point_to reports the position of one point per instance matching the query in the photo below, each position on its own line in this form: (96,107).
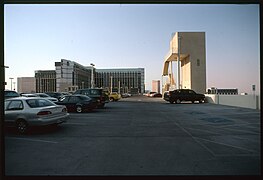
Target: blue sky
(112,36)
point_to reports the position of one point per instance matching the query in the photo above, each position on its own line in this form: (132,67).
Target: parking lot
(141,136)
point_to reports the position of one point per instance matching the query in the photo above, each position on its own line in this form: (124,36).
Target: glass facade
(71,75)
(129,80)
(45,81)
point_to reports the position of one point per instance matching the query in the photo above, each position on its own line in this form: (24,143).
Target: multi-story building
(26,84)
(156,86)
(128,80)
(45,80)
(189,50)
(72,76)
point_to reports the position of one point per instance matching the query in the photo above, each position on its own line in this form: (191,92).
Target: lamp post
(14,85)
(92,75)
(110,84)
(4,75)
(11,81)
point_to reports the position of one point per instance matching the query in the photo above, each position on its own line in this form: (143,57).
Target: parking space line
(212,132)
(83,124)
(226,144)
(34,140)
(250,132)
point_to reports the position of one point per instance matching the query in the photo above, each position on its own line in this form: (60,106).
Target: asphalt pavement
(141,136)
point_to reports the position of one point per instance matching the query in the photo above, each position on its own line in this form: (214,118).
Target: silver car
(44,95)
(23,112)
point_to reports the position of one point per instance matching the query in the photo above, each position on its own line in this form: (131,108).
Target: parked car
(23,112)
(156,95)
(44,95)
(96,94)
(77,103)
(150,94)
(66,93)
(57,95)
(28,95)
(180,95)
(11,94)
(125,95)
(114,96)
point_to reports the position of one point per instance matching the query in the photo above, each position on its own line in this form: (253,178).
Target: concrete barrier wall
(246,101)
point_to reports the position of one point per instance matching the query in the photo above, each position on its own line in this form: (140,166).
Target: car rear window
(35,103)
(95,92)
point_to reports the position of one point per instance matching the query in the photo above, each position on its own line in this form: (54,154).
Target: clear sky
(133,36)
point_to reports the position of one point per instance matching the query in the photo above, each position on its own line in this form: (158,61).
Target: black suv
(179,95)
(96,94)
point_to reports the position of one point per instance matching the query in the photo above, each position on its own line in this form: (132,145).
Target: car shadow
(34,130)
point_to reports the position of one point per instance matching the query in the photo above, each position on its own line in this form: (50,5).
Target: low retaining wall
(245,101)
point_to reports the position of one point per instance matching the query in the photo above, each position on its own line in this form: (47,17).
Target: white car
(44,95)
(23,112)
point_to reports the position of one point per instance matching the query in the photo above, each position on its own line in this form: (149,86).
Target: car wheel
(178,101)
(111,99)
(171,101)
(200,101)
(21,126)
(193,101)
(79,109)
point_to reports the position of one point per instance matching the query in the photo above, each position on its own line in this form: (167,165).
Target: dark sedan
(157,95)
(77,103)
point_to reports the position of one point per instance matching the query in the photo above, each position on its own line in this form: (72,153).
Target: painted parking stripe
(34,140)
(223,144)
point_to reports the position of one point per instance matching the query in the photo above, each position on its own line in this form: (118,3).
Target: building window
(198,62)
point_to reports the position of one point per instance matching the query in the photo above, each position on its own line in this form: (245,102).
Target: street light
(14,85)
(92,76)
(4,74)
(11,81)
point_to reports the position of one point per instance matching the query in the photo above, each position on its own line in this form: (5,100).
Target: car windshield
(35,103)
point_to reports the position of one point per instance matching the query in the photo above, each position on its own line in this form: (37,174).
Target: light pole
(92,75)
(14,85)
(4,74)
(110,84)
(11,81)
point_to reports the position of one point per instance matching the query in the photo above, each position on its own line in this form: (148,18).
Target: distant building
(45,80)
(71,76)
(214,90)
(156,86)
(123,80)
(26,84)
